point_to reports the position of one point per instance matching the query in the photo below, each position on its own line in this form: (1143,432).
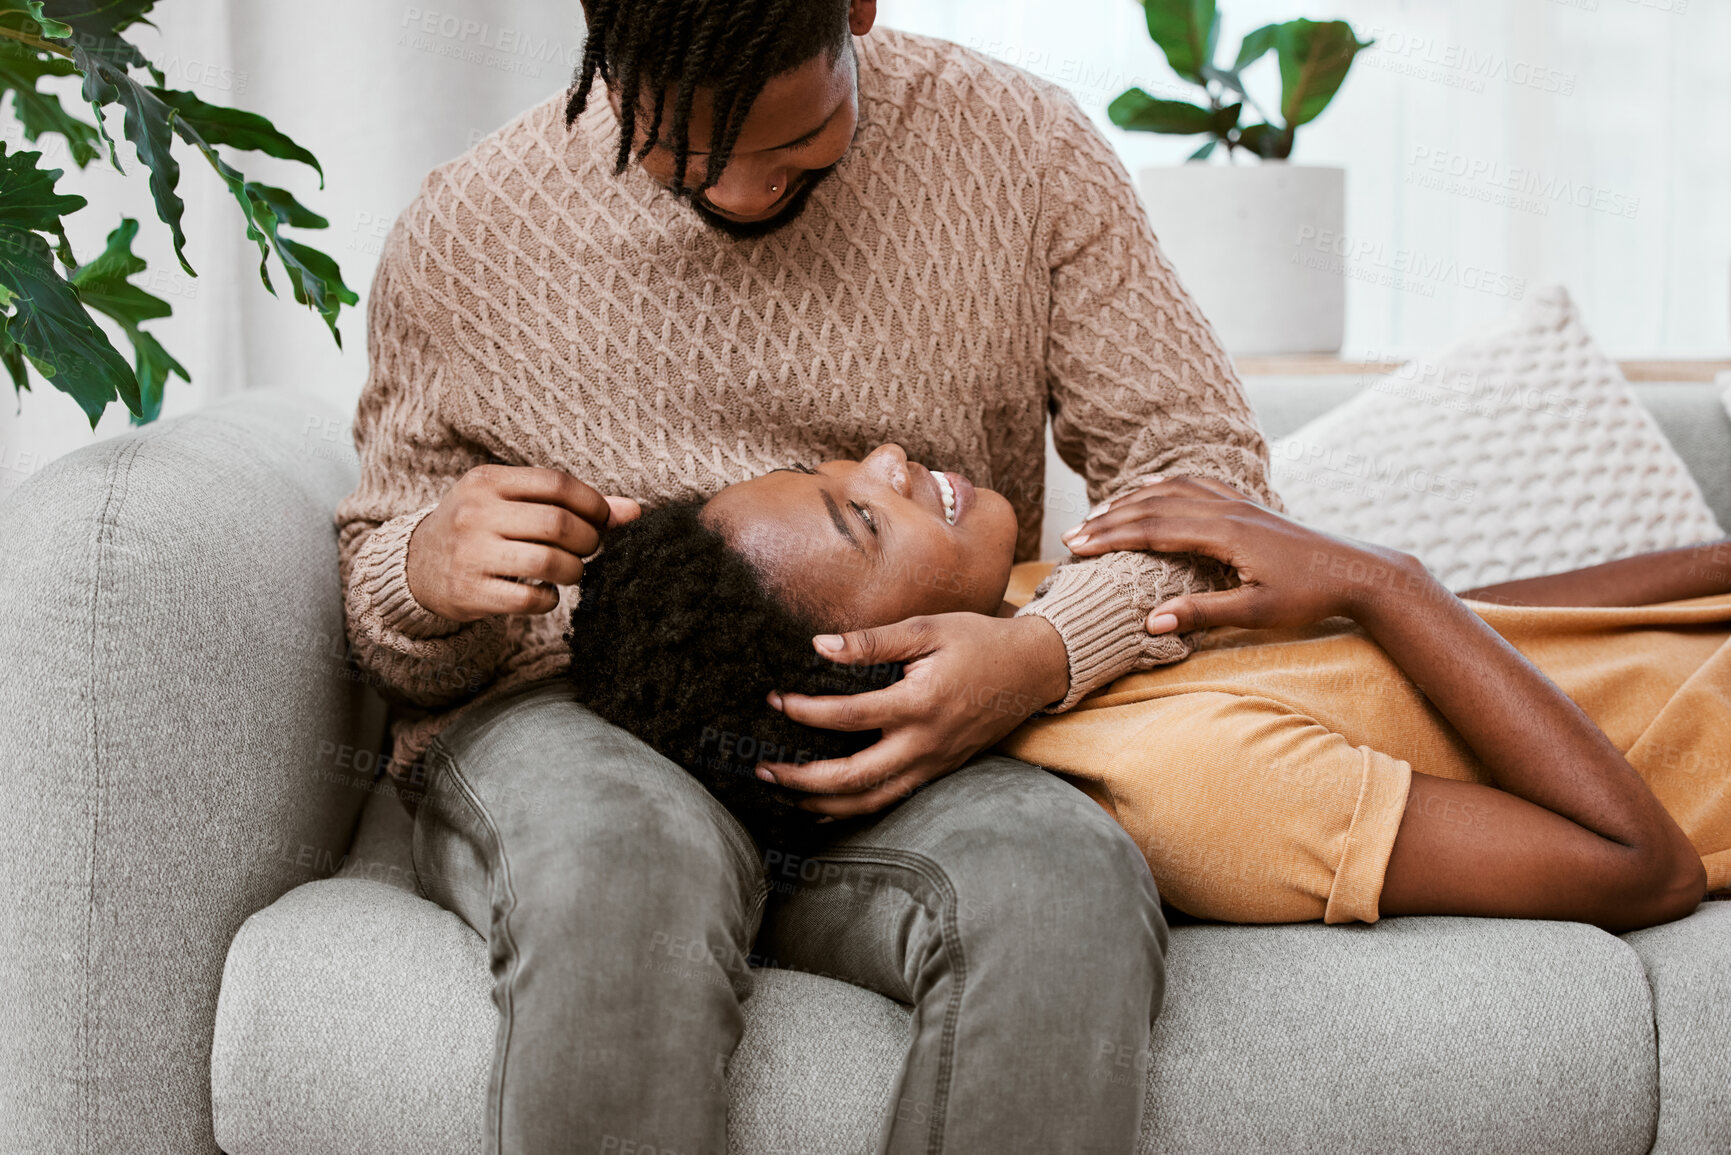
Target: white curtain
(1582,141)
(380,92)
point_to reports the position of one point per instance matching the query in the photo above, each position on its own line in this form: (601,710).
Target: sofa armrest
(179,721)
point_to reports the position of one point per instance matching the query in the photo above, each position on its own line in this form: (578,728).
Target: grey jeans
(1015,918)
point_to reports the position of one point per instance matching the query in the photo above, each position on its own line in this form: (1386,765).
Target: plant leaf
(94,27)
(237,129)
(1139,112)
(314,276)
(153,365)
(28,198)
(1182,29)
(102,283)
(150,127)
(40,112)
(1205,151)
(288,210)
(50,326)
(32,10)
(11,355)
(1314,58)
(1266,141)
(1255,46)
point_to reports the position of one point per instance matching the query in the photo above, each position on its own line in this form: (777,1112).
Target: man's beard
(748,230)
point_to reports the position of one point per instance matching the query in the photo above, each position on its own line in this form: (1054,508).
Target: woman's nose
(748,190)
(890,463)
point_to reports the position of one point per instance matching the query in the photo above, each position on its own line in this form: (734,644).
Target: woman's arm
(1571,831)
(1693,571)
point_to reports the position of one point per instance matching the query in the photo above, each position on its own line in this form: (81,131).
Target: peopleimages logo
(1528,189)
(1329,467)
(1457,65)
(1397,268)
(480,42)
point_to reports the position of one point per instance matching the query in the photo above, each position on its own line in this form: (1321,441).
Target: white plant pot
(1252,243)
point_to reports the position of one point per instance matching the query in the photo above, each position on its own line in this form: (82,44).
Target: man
(754,235)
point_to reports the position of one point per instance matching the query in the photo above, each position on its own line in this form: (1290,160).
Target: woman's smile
(875,540)
(958,495)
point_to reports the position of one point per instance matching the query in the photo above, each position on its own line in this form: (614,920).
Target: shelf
(1324,365)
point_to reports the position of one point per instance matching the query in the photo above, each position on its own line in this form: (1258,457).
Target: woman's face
(870,542)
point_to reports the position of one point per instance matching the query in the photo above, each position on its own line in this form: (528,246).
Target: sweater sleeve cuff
(1099,611)
(380,582)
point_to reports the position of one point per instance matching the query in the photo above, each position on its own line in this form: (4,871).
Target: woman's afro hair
(679,640)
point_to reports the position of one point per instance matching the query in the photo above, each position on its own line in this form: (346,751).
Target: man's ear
(861,15)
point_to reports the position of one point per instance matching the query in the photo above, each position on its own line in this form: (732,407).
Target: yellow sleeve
(1246,810)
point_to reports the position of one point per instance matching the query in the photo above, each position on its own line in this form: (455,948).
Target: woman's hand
(1289,574)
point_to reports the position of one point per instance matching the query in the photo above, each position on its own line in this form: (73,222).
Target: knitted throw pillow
(1519,453)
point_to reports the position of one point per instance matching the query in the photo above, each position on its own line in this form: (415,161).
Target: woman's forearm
(1566,828)
(1667,575)
(1533,739)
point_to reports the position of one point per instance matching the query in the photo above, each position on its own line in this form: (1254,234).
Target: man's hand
(968,681)
(504,538)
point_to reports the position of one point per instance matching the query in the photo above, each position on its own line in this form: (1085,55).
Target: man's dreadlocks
(731,47)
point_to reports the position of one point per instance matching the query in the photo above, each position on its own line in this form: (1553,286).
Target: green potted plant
(50,296)
(1246,234)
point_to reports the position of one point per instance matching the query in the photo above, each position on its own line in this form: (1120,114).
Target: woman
(1349,740)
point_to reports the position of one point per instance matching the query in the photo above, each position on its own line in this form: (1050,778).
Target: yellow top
(1264,777)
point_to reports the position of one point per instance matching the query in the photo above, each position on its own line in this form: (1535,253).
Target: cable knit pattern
(977,260)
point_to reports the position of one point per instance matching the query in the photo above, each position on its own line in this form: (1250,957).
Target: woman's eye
(865,516)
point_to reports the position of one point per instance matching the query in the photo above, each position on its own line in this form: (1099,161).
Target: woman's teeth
(949,495)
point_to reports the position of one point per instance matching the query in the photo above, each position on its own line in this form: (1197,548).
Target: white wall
(1621,104)
(1625,100)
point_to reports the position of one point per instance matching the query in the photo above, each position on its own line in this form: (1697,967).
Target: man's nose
(748,190)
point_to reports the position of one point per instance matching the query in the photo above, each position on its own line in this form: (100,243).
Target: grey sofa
(210,936)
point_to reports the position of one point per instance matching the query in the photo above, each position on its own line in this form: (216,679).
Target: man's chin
(746,230)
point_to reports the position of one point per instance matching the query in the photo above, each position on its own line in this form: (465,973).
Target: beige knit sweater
(978,260)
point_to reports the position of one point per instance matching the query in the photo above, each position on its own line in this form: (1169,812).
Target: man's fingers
(621,510)
(870,710)
(886,793)
(865,770)
(500,595)
(533,561)
(546,524)
(900,641)
(549,486)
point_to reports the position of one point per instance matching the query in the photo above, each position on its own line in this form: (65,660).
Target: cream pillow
(1519,453)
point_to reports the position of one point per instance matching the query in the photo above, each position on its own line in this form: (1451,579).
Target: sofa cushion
(1517,453)
(1695,418)
(1410,1034)
(174,691)
(356,1016)
(1689,966)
